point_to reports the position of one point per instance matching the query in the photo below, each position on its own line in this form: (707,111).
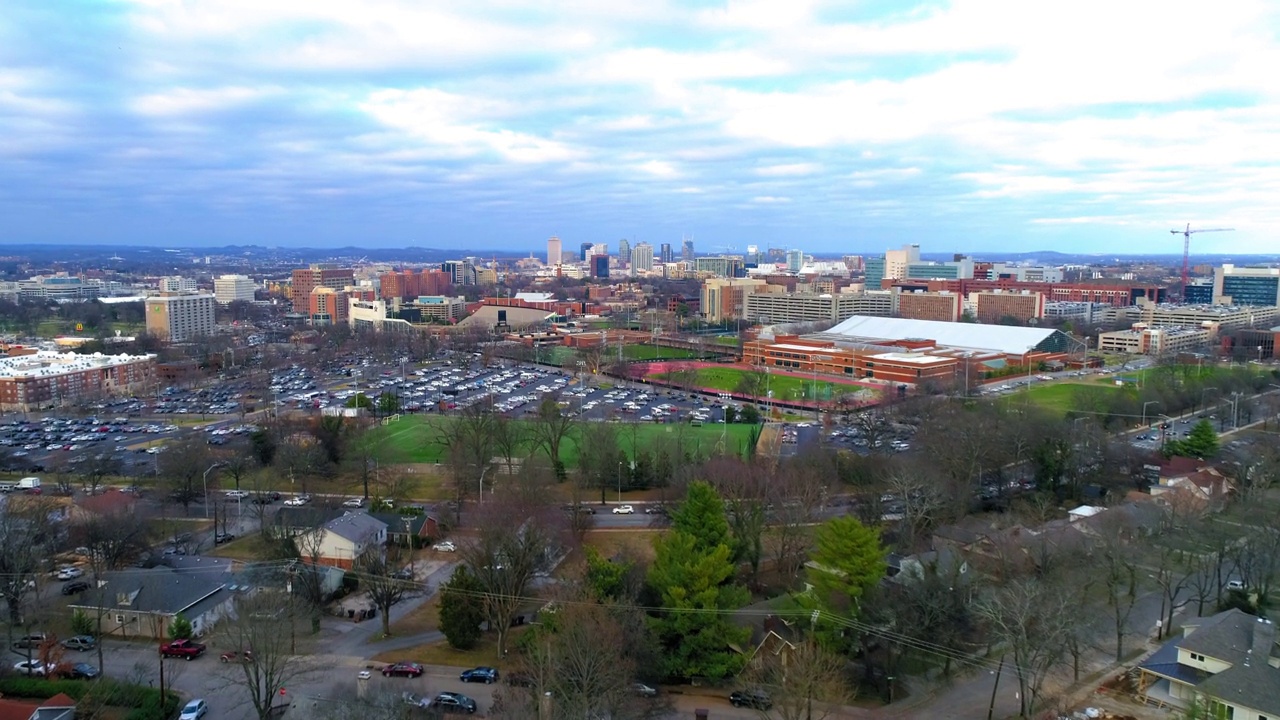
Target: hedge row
(144,701)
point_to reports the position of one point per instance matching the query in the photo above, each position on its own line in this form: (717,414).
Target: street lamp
(480,484)
(1144,410)
(204,480)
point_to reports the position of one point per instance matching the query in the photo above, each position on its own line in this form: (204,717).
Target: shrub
(81,623)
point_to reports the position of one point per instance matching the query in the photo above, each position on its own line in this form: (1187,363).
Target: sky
(834,127)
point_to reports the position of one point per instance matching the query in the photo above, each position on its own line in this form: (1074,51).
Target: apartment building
(724,298)
(995,306)
(179,317)
(307,279)
(943,307)
(35,380)
(230,288)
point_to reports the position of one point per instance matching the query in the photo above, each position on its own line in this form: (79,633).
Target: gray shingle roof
(1227,636)
(158,589)
(356,527)
(1255,685)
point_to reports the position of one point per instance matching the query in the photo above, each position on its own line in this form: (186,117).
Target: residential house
(291,521)
(1191,483)
(141,602)
(58,707)
(404,529)
(944,562)
(1228,660)
(342,540)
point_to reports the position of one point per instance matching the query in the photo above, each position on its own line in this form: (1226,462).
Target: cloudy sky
(974,125)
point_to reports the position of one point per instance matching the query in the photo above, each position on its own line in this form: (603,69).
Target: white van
(29,483)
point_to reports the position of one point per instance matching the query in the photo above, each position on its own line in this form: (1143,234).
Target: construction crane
(1186,251)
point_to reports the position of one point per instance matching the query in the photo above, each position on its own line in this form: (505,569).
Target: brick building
(992,307)
(942,306)
(327,306)
(42,379)
(307,279)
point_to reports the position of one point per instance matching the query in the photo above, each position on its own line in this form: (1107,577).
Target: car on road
(83,643)
(194,710)
(75,587)
(451,702)
(403,669)
(583,509)
(80,671)
(298,501)
(623,510)
(656,509)
(237,494)
(482,674)
(446,546)
(69,573)
(354,502)
(266,498)
(1235,585)
(754,699)
(33,667)
(223,537)
(644,690)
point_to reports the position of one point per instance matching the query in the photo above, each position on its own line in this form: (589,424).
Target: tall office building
(307,279)
(874,269)
(896,261)
(599,266)
(642,257)
(624,250)
(460,272)
(666,253)
(178,317)
(1246,285)
(686,251)
(230,288)
(585,249)
(795,260)
(554,253)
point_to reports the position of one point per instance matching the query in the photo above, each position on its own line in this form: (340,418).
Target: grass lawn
(484,653)
(784,387)
(250,548)
(415,438)
(424,619)
(1059,398)
(646,351)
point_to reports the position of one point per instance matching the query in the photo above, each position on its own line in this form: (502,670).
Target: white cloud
(789,169)
(769,200)
(659,168)
(181,101)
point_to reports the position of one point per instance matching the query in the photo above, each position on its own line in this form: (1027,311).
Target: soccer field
(784,387)
(417,439)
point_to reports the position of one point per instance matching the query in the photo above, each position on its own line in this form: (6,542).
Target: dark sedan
(403,669)
(82,671)
(451,702)
(480,674)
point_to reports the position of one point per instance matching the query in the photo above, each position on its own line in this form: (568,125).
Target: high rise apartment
(624,250)
(666,254)
(686,251)
(642,257)
(307,279)
(795,260)
(178,317)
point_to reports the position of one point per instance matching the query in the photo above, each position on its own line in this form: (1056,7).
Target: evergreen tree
(180,628)
(461,609)
(847,560)
(702,516)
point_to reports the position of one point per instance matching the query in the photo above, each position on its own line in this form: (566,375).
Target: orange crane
(1186,251)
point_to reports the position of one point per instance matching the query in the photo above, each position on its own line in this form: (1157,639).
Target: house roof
(356,527)
(1000,338)
(16,710)
(1228,636)
(61,700)
(161,590)
(395,523)
(1255,685)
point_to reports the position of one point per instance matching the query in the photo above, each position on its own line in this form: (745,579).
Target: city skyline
(995,127)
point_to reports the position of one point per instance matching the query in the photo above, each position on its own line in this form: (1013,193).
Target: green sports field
(1061,398)
(650,352)
(417,438)
(784,387)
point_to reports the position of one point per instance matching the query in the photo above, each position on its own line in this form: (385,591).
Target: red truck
(186,649)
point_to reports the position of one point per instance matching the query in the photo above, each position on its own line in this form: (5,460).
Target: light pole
(817,406)
(1144,410)
(1202,393)
(619,481)
(480,484)
(204,480)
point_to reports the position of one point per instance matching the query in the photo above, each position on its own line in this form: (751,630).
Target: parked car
(83,643)
(75,587)
(237,494)
(644,690)
(754,699)
(236,656)
(623,510)
(446,546)
(451,702)
(479,674)
(404,668)
(354,502)
(80,671)
(298,501)
(69,573)
(27,642)
(194,710)
(33,667)
(1235,585)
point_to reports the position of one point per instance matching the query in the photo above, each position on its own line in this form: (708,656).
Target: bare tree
(921,501)
(377,567)
(1027,616)
(26,539)
(262,632)
(1118,575)
(512,546)
(113,542)
(551,428)
(181,468)
(804,680)
(469,442)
